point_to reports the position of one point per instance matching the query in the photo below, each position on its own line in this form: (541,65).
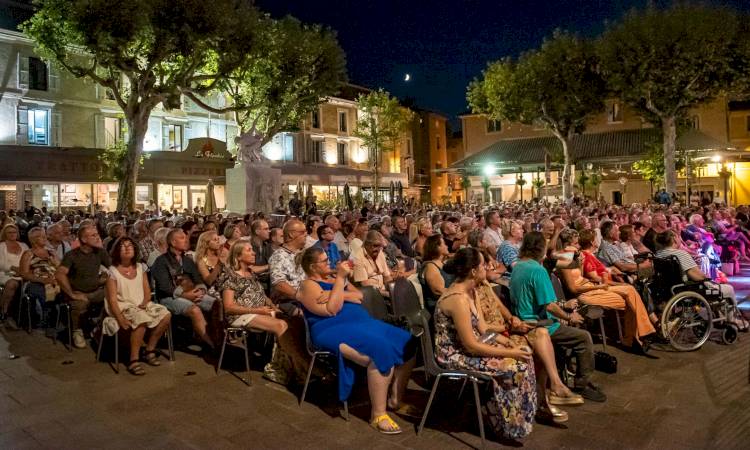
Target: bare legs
(545,353)
(11,286)
(137,336)
(199,324)
(270,324)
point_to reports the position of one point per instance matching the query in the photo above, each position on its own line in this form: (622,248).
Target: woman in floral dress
(459,345)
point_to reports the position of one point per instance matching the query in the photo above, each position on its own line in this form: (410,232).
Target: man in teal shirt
(534,299)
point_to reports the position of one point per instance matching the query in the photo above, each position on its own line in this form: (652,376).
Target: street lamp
(489,170)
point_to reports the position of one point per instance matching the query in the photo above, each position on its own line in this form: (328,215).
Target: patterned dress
(512,407)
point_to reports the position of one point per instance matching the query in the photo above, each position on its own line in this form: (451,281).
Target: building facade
(53,127)
(621,136)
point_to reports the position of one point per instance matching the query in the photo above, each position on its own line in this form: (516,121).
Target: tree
(664,62)
(466,185)
(557,86)
(144,52)
(290,71)
(651,166)
(380,126)
(486,188)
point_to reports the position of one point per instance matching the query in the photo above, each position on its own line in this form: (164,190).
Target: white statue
(249,146)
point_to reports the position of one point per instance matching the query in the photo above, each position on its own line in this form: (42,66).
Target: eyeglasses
(323,261)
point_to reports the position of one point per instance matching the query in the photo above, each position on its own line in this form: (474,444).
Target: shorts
(243,320)
(179,306)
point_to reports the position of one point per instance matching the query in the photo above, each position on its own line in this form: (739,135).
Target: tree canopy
(381,125)
(663,62)
(144,52)
(557,86)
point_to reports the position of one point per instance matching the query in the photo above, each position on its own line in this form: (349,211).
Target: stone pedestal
(252,187)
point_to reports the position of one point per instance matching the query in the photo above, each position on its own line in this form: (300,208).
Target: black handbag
(604,362)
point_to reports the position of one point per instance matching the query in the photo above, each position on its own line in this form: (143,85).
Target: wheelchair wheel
(729,334)
(687,321)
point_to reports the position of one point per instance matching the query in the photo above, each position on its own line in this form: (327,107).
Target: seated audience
(11,250)
(432,277)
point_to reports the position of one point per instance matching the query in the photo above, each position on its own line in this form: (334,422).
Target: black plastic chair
(433,369)
(315,354)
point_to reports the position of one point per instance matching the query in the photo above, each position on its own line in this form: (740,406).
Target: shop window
(342,122)
(316,118)
(38,125)
(341,148)
(314,151)
(494,126)
(614,112)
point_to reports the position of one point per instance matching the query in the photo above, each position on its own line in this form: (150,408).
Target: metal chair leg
(170,344)
(245,340)
(70,327)
(99,350)
(28,314)
(57,324)
(117,352)
(221,355)
(346,410)
(480,418)
(619,325)
(307,379)
(604,336)
(461,392)
(429,403)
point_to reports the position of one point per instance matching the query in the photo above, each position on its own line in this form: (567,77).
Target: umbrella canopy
(392,192)
(210,206)
(348,197)
(400,192)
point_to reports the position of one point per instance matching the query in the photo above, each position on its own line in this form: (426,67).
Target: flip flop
(152,359)
(135,368)
(393,427)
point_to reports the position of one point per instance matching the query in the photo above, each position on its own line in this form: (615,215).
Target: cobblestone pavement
(50,398)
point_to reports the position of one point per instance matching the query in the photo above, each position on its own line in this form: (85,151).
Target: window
(38,124)
(695,122)
(173,137)
(494,126)
(342,121)
(315,151)
(614,112)
(112,131)
(437,142)
(341,153)
(408,148)
(37,74)
(316,118)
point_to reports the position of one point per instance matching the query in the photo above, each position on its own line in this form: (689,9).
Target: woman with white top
(10,258)
(129,302)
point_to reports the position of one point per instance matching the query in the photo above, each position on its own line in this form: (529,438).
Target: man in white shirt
(493,236)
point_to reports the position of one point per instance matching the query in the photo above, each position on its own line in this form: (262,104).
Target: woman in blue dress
(339,324)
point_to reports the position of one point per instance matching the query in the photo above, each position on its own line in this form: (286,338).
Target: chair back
(667,274)
(428,350)
(503,293)
(562,292)
(308,340)
(405,299)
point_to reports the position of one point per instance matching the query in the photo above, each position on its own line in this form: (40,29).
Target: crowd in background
(335,270)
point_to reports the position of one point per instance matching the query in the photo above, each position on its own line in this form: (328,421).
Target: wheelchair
(689,310)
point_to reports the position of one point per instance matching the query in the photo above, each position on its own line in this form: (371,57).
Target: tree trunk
(669,131)
(567,187)
(137,127)
(375,174)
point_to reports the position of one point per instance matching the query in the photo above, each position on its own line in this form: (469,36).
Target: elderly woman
(370,266)
(160,245)
(339,324)
(507,253)
(432,277)
(245,303)
(129,302)
(10,258)
(462,343)
(37,267)
(593,285)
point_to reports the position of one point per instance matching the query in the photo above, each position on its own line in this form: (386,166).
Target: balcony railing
(420,179)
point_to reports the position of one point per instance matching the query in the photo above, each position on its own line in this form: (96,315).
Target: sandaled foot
(565,397)
(385,425)
(152,358)
(135,368)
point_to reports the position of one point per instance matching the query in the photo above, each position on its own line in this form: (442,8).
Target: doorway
(617,198)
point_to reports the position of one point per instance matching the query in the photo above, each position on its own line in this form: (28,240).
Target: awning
(616,146)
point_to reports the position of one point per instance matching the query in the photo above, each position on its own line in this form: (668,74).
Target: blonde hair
(234,253)
(201,248)
(4,232)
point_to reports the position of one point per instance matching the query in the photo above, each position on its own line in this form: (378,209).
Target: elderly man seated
(370,265)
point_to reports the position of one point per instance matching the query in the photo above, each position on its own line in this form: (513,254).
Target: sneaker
(78,339)
(592,392)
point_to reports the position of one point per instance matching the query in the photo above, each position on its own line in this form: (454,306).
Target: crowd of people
(271,272)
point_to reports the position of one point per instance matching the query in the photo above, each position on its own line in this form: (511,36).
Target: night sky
(444,44)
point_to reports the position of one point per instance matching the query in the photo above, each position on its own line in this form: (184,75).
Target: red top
(592,264)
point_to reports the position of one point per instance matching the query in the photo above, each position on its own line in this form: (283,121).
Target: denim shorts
(179,306)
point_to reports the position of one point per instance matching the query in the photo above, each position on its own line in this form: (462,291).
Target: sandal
(152,359)
(135,368)
(393,427)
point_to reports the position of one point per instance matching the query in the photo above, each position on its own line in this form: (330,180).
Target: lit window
(112,131)
(315,151)
(341,152)
(494,126)
(614,112)
(38,123)
(342,121)
(695,122)
(174,137)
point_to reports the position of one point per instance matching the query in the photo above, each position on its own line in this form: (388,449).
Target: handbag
(604,362)
(50,292)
